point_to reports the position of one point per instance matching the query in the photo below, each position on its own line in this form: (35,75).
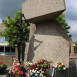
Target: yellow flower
(9,72)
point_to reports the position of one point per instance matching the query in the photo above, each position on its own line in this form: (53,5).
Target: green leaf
(61,20)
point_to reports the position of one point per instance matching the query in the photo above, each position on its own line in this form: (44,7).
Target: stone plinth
(49,42)
(37,11)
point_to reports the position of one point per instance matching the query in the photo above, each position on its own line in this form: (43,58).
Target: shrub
(75,48)
(3,67)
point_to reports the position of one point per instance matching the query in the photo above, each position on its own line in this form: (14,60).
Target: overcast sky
(11,6)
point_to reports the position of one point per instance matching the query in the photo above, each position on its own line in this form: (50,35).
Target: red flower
(25,76)
(46,76)
(19,69)
(38,68)
(16,74)
(44,72)
(31,68)
(44,69)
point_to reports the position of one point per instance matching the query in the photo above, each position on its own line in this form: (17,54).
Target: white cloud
(71,9)
(71,17)
(0,21)
(73,29)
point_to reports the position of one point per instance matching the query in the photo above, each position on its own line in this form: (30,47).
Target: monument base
(49,42)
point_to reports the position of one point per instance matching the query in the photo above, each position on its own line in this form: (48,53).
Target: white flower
(38,72)
(14,61)
(18,64)
(34,71)
(36,68)
(42,75)
(30,70)
(30,63)
(59,66)
(42,71)
(31,73)
(35,74)
(64,68)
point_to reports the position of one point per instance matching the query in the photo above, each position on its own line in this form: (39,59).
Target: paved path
(5,73)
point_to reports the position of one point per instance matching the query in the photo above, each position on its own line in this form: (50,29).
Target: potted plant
(38,69)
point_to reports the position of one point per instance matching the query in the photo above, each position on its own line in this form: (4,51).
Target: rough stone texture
(47,39)
(38,10)
(49,42)
(32,29)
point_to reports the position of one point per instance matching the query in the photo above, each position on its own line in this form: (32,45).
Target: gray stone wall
(49,42)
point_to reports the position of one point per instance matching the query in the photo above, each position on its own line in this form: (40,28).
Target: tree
(63,24)
(11,31)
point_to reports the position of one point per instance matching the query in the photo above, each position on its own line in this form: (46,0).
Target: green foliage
(11,32)
(75,48)
(0,34)
(63,24)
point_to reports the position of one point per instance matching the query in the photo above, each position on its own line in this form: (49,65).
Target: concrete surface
(49,42)
(37,10)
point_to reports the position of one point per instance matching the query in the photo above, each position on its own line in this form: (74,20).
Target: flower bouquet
(61,70)
(42,64)
(38,69)
(37,73)
(3,67)
(17,70)
(60,66)
(28,65)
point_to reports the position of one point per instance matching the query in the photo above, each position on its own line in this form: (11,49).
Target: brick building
(6,53)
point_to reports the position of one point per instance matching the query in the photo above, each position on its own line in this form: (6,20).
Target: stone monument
(47,39)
